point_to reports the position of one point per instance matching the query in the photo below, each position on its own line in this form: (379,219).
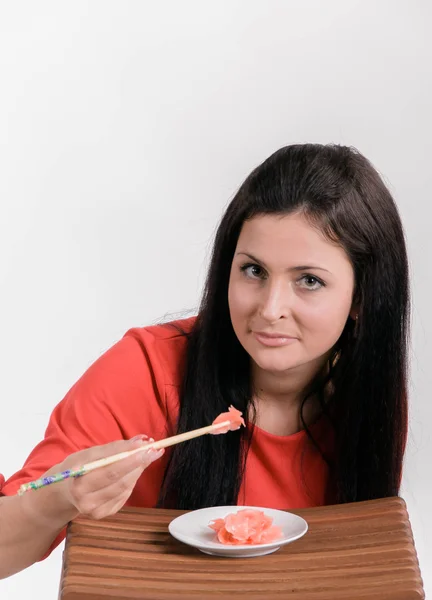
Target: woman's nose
(276,301)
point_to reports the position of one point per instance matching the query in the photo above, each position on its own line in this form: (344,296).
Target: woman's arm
(30,523)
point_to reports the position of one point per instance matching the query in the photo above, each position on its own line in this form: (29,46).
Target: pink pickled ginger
(234,419)
(245,527)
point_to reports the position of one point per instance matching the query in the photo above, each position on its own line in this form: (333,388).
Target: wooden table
(361,551)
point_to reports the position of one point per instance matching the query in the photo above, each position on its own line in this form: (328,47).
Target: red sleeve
(121,395)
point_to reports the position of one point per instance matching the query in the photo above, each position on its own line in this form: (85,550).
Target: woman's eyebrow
(298,268)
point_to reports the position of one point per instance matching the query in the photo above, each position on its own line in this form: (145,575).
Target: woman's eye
(311,283)
(253,271)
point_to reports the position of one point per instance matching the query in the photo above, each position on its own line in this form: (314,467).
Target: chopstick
(108,460)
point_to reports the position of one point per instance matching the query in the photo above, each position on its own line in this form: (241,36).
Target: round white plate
(192,529)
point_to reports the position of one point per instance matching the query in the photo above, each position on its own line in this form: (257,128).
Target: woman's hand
(99,493)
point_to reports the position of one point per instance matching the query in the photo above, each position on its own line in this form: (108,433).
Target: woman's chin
(275,364)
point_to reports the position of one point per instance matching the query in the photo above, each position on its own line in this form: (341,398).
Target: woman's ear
(354,312)
(355,305)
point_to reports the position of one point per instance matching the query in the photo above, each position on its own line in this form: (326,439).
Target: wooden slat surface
(362,551)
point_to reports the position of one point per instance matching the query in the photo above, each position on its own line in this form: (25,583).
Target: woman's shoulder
(169,330)
(164,346)
(128,390)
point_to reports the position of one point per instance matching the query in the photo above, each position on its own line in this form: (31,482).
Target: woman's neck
(278,398)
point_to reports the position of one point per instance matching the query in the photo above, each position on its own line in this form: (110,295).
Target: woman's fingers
(112,484)
(98,493)
(105,476)
(111,499)
(106,487)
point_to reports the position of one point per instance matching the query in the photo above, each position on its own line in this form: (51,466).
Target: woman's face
(290,292)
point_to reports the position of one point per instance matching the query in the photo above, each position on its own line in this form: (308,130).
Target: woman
(303,327)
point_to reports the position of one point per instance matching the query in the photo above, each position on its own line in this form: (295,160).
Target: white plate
(192,529)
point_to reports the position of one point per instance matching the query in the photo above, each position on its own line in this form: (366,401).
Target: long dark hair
(339,191)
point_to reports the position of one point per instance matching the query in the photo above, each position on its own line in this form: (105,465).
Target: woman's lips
(273,339)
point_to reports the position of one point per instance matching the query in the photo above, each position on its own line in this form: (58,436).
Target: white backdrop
(126,127)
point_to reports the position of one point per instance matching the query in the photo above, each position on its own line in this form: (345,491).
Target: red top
(134,388)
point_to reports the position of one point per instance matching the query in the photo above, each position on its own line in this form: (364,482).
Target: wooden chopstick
(169,441)
(108,460)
